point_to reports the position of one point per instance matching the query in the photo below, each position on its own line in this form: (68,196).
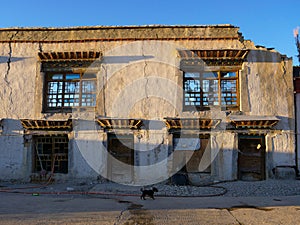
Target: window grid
(67,90)
(51,154)
(207,89)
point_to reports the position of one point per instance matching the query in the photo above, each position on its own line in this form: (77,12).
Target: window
(51,154)
(207,89)
(66,90)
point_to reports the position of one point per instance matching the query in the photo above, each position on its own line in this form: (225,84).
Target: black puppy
(149,193)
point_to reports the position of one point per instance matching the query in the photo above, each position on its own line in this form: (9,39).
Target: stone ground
(264,188)
(234,203)
(229,189)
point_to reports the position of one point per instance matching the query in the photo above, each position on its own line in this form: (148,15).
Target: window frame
(79,81)
(51,153)
(219,79)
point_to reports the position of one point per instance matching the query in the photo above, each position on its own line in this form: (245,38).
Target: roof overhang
(46,125)
(66,56)
(59,61)
(191,123)
(119,123)
(218,57)
(254,122)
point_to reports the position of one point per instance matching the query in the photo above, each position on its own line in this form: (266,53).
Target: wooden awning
(62,61)
(254,122)
(66,56)
(219,57)
(31,124)
(117,123)
(191,123)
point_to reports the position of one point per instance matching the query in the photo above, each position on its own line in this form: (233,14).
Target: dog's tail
(142,189)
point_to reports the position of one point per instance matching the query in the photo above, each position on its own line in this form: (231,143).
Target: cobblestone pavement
(229,189)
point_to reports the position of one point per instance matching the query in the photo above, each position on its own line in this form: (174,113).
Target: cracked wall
(139,79)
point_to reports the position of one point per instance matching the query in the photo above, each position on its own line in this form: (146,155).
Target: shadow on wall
(257,56)
(144,154)
(11,127)
(124,59)
(285,123)
(6,59)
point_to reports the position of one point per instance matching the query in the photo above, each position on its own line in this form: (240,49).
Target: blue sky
(267,23)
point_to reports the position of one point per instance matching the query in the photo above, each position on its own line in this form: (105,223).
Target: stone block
(285,173)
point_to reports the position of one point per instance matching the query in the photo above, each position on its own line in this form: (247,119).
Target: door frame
(115,136)
(262,150)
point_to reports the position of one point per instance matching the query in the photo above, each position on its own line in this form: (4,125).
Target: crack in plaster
(40,47)
(9,56)
(284,73)
(8,63)
(144,73)
(41,43)
(7,73)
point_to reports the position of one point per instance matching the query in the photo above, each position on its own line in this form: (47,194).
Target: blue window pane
(57,77)
(192,85)
(192,75)
(228,74)
(210,75)
(72,76)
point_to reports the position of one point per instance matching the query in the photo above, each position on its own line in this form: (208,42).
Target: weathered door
(251,160)
(121,148)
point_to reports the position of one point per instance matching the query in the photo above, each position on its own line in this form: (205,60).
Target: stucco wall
(14,162)
(138,79)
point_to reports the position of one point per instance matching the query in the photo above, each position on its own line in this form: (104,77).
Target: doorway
(251,157)
(121,148)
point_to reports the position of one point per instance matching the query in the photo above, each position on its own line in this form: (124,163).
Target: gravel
(230,189)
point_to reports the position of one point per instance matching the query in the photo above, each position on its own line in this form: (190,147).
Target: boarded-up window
(50,154)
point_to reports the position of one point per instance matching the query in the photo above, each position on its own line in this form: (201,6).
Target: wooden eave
(214,57)
(191,123)
(254,122)
(214,54)
(67,56)
(31,124)
(117,123)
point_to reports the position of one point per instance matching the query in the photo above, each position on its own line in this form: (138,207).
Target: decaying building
(141,104)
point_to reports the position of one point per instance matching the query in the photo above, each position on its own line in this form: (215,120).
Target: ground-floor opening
(251,157)
(50,155)
(121,148)
(187,156)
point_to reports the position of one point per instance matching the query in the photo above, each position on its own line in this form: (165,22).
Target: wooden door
(251,159)
(121,148)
